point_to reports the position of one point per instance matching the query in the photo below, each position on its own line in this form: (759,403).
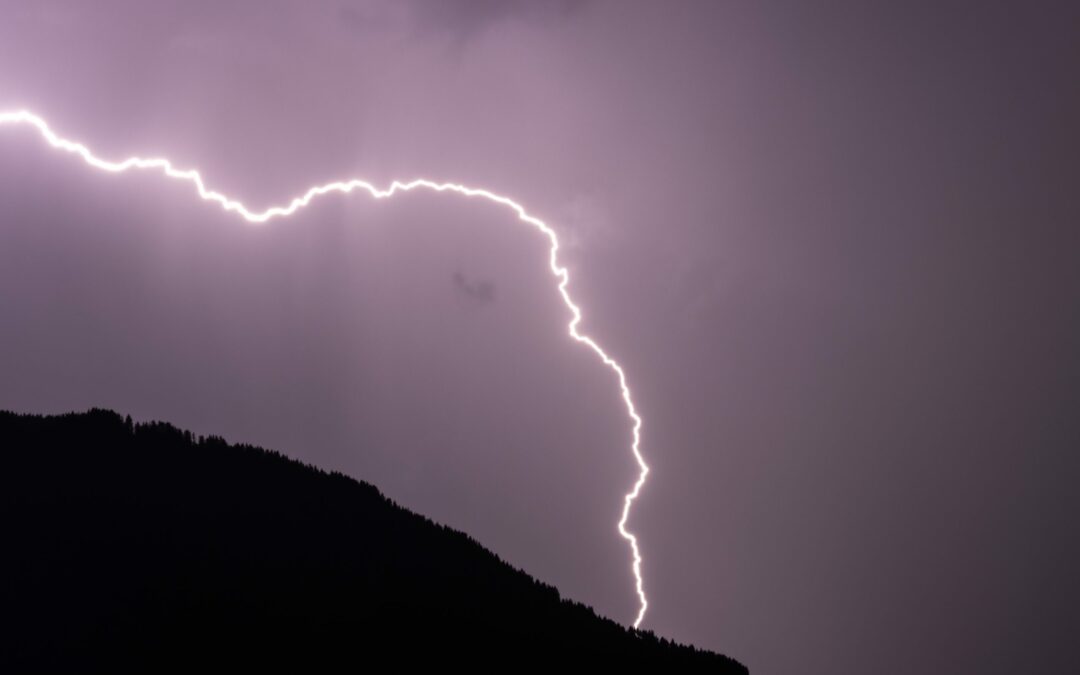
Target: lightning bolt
(24,117)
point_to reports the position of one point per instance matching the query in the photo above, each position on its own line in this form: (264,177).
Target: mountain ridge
(146,546)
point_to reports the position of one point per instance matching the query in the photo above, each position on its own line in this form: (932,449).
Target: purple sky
(835,247)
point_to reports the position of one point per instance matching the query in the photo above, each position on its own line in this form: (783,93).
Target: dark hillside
(143,547)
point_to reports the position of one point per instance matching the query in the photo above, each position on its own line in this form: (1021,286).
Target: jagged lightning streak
(23,117)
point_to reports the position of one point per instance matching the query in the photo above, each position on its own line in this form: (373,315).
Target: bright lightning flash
(23,117)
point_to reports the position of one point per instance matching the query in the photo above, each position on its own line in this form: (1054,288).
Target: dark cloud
(457,20)
(466,18)
(482,291)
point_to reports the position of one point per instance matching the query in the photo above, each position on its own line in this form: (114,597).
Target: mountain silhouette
(143,547)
